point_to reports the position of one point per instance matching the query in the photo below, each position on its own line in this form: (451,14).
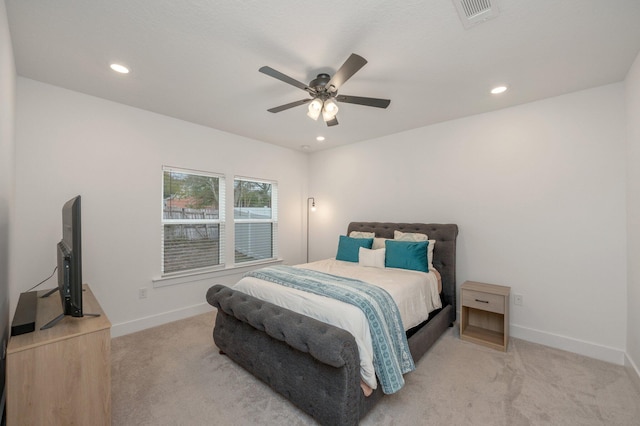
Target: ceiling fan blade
(348,69)
(289,105)
(282,77)
(332,122)
(373,102)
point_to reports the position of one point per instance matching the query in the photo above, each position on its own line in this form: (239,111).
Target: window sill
(206,275)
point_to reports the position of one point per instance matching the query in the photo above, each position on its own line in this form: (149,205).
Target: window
(192,220)
(255,214)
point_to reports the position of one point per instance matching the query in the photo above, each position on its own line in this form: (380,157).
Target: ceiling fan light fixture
(324,91)
(315,107)
(330,110)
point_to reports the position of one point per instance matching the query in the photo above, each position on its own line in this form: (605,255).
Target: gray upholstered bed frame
(315,365)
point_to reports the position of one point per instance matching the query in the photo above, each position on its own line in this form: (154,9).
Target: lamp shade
(330,110)
(315,107)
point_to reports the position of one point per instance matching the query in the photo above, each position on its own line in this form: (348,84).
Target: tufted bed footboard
(313,364)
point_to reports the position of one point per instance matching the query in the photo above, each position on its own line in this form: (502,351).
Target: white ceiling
(198,60)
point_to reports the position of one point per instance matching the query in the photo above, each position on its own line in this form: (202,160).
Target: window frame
(273,220)
(220,221)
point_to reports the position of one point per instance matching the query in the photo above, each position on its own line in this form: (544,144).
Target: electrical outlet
(517,299)
(142,293)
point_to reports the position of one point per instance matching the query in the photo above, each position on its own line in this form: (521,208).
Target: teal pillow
(407,255)
(349,248)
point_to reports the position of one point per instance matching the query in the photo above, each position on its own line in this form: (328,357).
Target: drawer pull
(482,301)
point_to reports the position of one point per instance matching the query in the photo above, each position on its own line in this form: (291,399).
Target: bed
(314,364)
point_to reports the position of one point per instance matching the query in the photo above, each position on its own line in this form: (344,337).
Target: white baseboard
(592,350)
(159,319)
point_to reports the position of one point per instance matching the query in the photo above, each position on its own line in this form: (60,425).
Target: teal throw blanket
(391,355)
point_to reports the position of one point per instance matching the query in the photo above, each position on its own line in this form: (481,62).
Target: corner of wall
(632,94)
(7,164)
(633,371)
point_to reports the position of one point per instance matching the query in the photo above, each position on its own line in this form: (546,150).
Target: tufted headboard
(444,251)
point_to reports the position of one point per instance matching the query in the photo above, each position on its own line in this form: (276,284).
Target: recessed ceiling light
(498,89)
(320,138)
(120,68)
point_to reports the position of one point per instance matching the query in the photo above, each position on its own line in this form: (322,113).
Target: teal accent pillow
(349,248)
(407,255)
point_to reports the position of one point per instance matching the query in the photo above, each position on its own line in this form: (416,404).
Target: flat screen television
(69,252)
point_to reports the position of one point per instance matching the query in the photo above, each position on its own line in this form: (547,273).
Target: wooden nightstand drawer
(484,301)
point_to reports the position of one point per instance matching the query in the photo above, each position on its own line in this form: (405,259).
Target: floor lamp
(313,209)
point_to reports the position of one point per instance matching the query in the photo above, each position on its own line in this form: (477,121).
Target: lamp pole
(313,208)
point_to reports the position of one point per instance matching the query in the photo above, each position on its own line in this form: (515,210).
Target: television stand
(59,317)
(61,375)
(52,322)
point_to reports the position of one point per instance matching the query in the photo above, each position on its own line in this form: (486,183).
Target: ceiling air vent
(474,12)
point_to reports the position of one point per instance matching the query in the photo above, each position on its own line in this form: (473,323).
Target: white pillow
(374,258)
(432,243)
(361,234)
(378,243)
(409,236)
(416,237)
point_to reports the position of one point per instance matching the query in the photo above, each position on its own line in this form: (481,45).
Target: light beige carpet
(173,375)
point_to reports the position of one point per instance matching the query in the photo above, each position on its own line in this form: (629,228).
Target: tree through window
(192,220)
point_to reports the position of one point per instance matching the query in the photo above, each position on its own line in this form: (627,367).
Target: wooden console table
(62,375)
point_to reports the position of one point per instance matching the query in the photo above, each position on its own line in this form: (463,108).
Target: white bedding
(415,293)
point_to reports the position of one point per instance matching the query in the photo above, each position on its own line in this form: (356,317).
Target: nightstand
(484,314)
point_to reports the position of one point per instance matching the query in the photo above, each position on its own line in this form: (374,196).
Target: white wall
(538,193)
(68,143)
(7,107)
(633,214)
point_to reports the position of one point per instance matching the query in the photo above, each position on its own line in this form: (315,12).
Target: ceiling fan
(324,91)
